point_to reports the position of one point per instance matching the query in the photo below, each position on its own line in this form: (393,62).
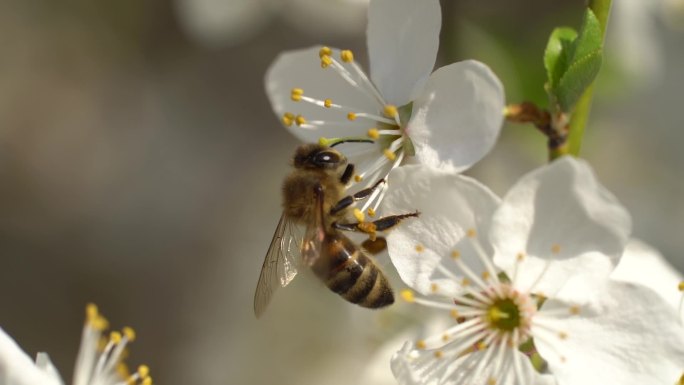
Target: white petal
(45,364)
(450,205)
(16,368)
(301,69)
(570,227)
(457,118)
(627,336)
(403,37)
(421,367)
(644,265)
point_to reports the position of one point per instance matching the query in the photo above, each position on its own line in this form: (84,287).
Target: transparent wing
(315,231)
(280,263)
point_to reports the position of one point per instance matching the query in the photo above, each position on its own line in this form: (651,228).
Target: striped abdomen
(349,272)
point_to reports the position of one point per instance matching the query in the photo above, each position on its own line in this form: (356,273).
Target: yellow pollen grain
(420,248)
(326,61)
(358,214)
(420,344)
(324,51)
(91,311)
(465,282)
(373,133)
(555,248)
(471,233)
(115,337)
(563,335)
(99,323)
(358,178)
(371,212)
(389,154)
(347,56)
(454,314)
(327,103)
(681,286)
(520,256)
(296,94)
(288,119)
(485,275)
(390,111)
(300,120)
(574,310)
(143,371)
(351,116)
(408,296)
(439,354)
(129,333)
(455,254)
(434,287)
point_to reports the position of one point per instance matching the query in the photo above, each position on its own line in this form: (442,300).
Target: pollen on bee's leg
(358,214)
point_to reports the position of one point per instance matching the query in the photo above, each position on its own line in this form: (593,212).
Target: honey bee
(313,196)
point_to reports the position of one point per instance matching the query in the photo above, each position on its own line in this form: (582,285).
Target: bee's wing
(315,231)
(279,266)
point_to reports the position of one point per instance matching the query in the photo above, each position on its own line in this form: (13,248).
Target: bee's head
(318,157)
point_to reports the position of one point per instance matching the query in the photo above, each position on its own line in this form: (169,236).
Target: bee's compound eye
(326,157)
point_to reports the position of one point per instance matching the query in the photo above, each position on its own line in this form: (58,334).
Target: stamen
(327,103)
(408,296)
(324,51)
(555,248)
(326,61)
(296,94)
(681,304)
(390,111)
(347,56)
(420,248)
(351,116)
(358,178)
(288,119)
(300,120)
(358,214)
(371,212)
(373,133)
(484,257)
(389,154)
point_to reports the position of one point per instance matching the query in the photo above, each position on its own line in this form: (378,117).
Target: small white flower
(99,361)
(545,294)
(450,118)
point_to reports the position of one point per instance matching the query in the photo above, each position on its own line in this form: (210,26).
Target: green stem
(578,120)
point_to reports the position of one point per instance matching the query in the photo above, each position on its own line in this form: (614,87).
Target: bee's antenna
(352,141)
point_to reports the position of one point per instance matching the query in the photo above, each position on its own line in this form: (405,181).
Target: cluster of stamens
(100,359)
(384,124)
(491,316)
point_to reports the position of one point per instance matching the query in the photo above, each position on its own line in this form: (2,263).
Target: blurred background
(140,167)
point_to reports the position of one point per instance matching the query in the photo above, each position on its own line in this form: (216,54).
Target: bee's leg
(359,195)
(381,224)
(347,174)
(386,223)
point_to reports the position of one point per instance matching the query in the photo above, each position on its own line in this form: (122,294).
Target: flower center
(504,315)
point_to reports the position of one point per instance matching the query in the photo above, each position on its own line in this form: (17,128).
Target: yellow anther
(351,116)
(563,335)
(371,212)
(520,256)
(129,333)
(373,133)
(454,314)
(480,345)
(300,120)
(390,111)
(455,254)
(358,178)
(327,103)
(358,214)
(288,119)
(491,381)
(407,295)
(99,323)
(296,94)
(485,275)
(91,311)
(122,370)
(434,287)
(146,381)
(681,286)
(347,56)
(143,371)
(420,248)
(326,61)
(389,154)
(439,354)
(115,337)
(465,282)
(681,380)
(471,233)
(445,337)
(555,248)
(574,310)
(324,51)
(420,344)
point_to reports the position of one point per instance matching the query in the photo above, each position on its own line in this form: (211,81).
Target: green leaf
(573,60)
(556,54)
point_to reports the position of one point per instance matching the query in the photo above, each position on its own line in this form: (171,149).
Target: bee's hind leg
(381,224)
(359,195)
